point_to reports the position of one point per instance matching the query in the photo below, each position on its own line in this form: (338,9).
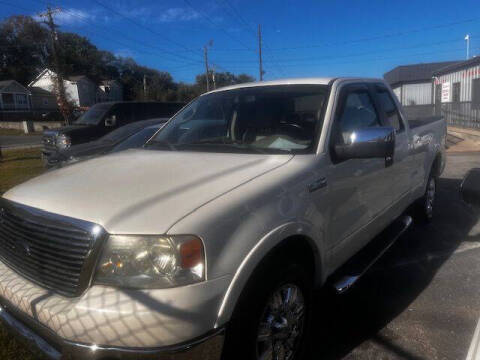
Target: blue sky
(301,38)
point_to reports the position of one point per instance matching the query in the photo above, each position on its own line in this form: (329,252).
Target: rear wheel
(425,205)
(272,317)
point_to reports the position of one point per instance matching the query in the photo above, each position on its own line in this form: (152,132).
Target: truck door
(401,173)
(358,188)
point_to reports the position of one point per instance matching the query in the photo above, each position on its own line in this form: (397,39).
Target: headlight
(151,261)
(63,141)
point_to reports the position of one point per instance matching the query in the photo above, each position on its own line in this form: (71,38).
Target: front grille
(53,251)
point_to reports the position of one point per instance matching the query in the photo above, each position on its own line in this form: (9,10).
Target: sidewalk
(463,140)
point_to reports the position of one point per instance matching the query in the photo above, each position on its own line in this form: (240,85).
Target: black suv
(101,119)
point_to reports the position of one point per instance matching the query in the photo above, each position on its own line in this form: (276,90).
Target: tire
(425,205)
(264,321)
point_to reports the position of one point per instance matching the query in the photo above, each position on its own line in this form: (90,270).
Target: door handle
(317,184)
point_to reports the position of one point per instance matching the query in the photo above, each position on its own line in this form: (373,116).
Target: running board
(353,269)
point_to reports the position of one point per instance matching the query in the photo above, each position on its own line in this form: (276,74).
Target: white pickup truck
(209,241)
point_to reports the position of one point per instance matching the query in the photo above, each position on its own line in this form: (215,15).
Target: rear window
(390,109)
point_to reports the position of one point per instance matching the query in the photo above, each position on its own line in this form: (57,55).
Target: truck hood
(141,191)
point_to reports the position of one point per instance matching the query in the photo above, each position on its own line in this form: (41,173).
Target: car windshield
(94,115)
(264,119)
(122,132)
(138,139)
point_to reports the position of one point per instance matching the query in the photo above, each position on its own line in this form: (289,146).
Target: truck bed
(413,123)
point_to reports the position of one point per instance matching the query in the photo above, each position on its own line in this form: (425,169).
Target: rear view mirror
(373,142)
(111,121)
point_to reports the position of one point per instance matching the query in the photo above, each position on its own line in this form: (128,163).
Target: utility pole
(61,96)
(144,87)
(467,39)
(205,54)
(213,77)
(260,52)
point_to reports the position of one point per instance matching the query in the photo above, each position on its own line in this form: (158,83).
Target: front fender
(257,254)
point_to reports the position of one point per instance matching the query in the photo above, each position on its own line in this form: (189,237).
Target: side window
(358,112)
(390,109)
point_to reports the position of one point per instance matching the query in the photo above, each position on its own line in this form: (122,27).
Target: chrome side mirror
(373,142)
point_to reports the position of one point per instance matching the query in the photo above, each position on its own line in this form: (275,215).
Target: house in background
(413,83)
(79,89)
(109,90)
(42,100)
(13,96)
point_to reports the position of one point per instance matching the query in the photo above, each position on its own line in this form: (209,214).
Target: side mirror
(367,143)
(111,121)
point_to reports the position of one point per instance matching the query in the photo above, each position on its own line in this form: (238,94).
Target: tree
(25,51)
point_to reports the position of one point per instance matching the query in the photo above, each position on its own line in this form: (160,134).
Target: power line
(145,27)
(206,17)
(359,54)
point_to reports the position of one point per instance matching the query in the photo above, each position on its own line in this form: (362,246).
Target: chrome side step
(357,266)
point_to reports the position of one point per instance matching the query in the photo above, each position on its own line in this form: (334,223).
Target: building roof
(4,84)
(35,90)
(415,72)
(460,65)
(78,77)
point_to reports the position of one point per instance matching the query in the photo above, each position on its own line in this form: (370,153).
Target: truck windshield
(264,119)
(94,115)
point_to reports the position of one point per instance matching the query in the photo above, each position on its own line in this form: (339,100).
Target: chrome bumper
(44,341)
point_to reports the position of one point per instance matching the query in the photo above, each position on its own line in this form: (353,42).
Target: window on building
(21,100)
(456,92)
(390,109)
(476,93)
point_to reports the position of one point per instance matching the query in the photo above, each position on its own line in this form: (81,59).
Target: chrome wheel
(430,197)
(282,324)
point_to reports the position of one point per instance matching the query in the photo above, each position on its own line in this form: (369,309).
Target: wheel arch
(279,240)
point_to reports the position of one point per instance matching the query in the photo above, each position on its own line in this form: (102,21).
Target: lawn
(15,132)
(17,166)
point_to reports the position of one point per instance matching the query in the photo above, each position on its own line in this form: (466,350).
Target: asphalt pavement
(7,141)
(422,299)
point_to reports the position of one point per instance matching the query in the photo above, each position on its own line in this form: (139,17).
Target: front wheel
(425,205)
(271,320)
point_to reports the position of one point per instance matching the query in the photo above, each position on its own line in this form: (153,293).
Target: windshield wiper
(159,144)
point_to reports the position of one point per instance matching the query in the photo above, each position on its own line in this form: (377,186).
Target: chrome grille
(56,252)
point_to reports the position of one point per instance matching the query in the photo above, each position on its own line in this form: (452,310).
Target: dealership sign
(446,92)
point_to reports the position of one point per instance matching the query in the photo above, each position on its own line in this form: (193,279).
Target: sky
(300,38)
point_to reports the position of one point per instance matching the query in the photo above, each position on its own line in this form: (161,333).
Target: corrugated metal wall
(464,77)
(417,94)
(461,113)
(398,91)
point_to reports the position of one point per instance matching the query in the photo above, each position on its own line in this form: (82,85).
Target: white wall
(417,94)
(465,78)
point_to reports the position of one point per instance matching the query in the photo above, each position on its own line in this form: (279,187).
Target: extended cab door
(357,187)
(401,174)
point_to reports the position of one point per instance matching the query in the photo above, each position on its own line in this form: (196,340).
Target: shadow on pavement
(343,322)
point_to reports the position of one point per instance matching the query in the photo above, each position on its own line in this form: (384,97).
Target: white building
(413,83)
(79,89)
(457,93)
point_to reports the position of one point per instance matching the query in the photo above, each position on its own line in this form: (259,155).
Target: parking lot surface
(422,299)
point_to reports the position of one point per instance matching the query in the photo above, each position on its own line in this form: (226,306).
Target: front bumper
(43,340)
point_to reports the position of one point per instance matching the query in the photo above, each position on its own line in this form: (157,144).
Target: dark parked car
(101,119)
(126,137)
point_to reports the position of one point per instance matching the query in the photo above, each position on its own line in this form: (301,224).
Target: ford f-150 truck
(208,241)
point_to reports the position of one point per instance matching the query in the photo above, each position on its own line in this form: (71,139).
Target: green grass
(16,132)
(17,166)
